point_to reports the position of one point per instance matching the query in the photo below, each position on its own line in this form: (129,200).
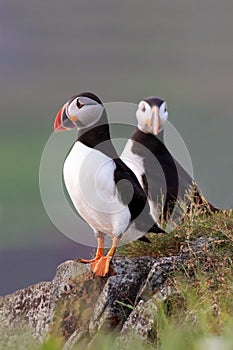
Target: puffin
(164,180)
(103,189)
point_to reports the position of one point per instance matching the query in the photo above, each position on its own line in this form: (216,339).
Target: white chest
(89,179)
(133,161)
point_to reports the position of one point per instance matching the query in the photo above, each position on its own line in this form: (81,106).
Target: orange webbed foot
(101,267)
(100,264)
(84,261)
(98,256)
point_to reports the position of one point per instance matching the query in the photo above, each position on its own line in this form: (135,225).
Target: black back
(161,176)
(131,193)
(160,165)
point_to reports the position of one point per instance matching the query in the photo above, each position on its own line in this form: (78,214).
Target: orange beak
(58,121)
(62,122)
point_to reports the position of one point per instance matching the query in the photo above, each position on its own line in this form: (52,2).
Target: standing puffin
(104,191)
(164,180)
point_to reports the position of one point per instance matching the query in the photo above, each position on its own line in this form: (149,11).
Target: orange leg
(100,267)
(99,253)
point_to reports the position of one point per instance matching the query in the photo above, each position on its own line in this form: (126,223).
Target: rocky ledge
(76,306)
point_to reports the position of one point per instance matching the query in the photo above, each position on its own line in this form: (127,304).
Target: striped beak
(62,122)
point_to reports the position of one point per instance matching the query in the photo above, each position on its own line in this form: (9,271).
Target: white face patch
(145,116)
(84,111)
(163,115)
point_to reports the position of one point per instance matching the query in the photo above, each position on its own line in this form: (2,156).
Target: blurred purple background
(123,51)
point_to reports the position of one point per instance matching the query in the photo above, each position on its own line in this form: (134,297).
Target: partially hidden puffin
(104,190)
(164,180)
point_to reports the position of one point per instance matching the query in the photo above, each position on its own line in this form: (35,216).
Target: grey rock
(158,276)
(26,308)
(75,303)
(141,321)
(57,308)
(115,301)
(120,290)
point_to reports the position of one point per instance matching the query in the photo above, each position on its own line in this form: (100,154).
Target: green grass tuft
(216,226)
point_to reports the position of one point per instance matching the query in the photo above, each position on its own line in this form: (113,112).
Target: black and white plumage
(164,180)
(105,192)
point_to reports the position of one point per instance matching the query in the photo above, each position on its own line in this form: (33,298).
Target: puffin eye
(143,107)
(79,104)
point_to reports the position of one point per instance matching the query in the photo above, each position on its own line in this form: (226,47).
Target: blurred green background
(122,51)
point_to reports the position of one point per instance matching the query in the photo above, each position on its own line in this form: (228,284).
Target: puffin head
(81,111)
(152,113)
